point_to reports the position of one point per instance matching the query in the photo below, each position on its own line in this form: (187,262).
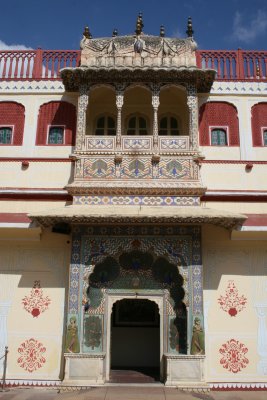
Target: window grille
(218,137)
(105,126)
(169,126)
(137,126)
(56,135)
(5,135)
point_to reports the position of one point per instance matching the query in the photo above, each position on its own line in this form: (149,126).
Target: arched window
(169,126)
(265,137)
(218,137)
(56,135)
(5,135)
(105,125)
(137,126)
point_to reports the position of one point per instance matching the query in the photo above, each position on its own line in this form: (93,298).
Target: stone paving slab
(129,393)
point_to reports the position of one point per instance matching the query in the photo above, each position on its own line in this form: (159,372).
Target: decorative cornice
(239,88)
(73,78)
(31,86)
(35,159)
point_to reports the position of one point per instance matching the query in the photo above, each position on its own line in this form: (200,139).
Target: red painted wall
(218,114)
(56,113)
(258,121)
(13,114)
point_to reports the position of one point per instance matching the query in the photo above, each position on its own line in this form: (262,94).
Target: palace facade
(133,219)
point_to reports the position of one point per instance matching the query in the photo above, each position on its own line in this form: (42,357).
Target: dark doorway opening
(135,342)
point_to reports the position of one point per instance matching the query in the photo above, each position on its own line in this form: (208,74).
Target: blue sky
(58,24)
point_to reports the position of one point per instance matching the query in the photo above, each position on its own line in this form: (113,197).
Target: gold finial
(189,31)
(139,24)
(87,33)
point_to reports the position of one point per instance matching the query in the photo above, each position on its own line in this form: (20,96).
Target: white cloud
(248,31)
(4,46)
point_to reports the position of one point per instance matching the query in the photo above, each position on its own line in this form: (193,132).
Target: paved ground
(128,393)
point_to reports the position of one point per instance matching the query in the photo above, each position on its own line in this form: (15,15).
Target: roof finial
(115,32)
(189,31)
(162,31)
(87,33)
(139,24)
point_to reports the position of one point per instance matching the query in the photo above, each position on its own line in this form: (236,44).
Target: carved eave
(127,188)
(75,214)
(74,77)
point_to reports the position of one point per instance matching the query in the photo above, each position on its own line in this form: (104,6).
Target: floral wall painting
(72,337)
(36,303)
(31,355)
(234,356)
(232,303)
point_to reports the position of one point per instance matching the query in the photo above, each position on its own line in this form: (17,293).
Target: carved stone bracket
(192,103)
(81,116)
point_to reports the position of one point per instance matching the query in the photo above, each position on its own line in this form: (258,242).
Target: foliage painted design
(31,355)
(36,303)
(231,302)
(233,356)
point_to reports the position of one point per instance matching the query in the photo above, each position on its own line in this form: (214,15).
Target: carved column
(192,102)
(155,105)
(119,103)
(81,116)
(4,310)
(262,338)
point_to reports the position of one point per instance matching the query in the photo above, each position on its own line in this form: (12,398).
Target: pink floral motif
(31,355)
(233,356)
(36,303)
(231,302)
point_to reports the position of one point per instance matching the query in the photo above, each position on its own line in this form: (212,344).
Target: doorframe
(111,300)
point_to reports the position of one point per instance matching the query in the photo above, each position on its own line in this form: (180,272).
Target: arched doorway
(135,340)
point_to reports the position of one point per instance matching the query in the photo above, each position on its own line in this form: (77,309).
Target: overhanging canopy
(80,214)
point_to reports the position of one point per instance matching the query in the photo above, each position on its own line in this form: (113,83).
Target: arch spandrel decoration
(130,250)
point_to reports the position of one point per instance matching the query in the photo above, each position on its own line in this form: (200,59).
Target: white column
(262,338)
(81,117)
(192,102)
(4,310)
(155,105)
(119,104)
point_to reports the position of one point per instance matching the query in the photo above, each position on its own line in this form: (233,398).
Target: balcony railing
(45,64)
(240,65)
(140,144)
(36,64)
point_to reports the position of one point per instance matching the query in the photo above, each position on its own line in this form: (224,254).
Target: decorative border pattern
(138,200)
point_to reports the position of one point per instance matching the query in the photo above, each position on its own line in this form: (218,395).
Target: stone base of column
(84,369)
(185,371)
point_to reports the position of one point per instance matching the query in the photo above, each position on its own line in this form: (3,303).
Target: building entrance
(135,341)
